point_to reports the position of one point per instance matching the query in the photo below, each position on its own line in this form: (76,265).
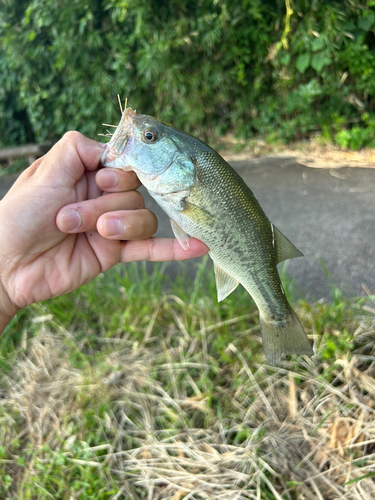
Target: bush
(207,67)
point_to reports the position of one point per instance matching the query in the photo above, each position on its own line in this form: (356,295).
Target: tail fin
(284,337)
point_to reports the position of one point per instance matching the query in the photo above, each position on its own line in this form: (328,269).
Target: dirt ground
(312,153)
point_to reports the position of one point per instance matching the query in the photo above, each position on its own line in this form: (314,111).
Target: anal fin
(225,283)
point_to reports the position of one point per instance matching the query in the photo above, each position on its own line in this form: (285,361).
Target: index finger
(114,180)
(161,250)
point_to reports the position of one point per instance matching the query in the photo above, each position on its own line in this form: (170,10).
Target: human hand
(58,229)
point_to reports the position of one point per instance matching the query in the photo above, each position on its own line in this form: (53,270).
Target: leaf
(319,60)
(366,22)
(303,62)
(355,480)
(348,26)
(318,44)
(285,60)
(31,36)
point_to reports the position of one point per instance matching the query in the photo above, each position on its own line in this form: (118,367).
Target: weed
(136,386)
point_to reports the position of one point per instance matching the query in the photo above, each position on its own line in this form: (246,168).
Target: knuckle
(151,249)
(174,250)
(133,179)
(72,136)
(95,212)
(136,200)
(67,145)
(30,171)
(153,221)
(146,224)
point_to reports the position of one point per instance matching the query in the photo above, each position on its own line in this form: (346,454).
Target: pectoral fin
(225,284)
(284,248)
(180,234)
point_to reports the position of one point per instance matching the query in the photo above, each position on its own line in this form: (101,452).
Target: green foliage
(331,59)
(207,67)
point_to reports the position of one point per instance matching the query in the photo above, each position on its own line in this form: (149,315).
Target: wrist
(7,308)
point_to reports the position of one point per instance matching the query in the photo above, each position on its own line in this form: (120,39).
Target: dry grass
(313,153)
(165,419)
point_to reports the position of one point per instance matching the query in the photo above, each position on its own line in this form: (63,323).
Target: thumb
(69,158)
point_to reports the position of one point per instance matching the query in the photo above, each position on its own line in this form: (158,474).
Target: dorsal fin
(284,248)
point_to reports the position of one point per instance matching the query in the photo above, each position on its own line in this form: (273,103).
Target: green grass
(17,166)
(137,386)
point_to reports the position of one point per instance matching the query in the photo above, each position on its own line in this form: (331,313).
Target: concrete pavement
(329,214)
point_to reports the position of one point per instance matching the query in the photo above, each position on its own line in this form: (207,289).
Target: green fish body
(205,198)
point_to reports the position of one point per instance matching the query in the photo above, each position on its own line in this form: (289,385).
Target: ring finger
(127,224)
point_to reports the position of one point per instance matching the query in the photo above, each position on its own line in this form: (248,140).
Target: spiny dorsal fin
(284,248)
(180,234)
(225,284)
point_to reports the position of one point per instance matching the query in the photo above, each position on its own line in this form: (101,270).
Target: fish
(205,198)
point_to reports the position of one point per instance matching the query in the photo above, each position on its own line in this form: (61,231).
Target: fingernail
(70,220)
(108,179)
(113,227)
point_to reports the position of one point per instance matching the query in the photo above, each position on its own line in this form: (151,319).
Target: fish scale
(205,198)
(258,275)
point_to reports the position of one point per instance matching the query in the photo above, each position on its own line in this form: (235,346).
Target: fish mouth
(114,156)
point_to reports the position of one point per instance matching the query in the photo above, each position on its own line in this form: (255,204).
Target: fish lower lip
(117,144)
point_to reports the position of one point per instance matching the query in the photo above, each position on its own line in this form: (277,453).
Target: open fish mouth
(113,156)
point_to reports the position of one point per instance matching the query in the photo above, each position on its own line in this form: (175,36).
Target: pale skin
(65,220)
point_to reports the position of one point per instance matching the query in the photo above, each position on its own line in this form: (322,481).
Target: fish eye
(150,135)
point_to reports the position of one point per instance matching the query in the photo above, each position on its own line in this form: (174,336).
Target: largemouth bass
(205,198)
